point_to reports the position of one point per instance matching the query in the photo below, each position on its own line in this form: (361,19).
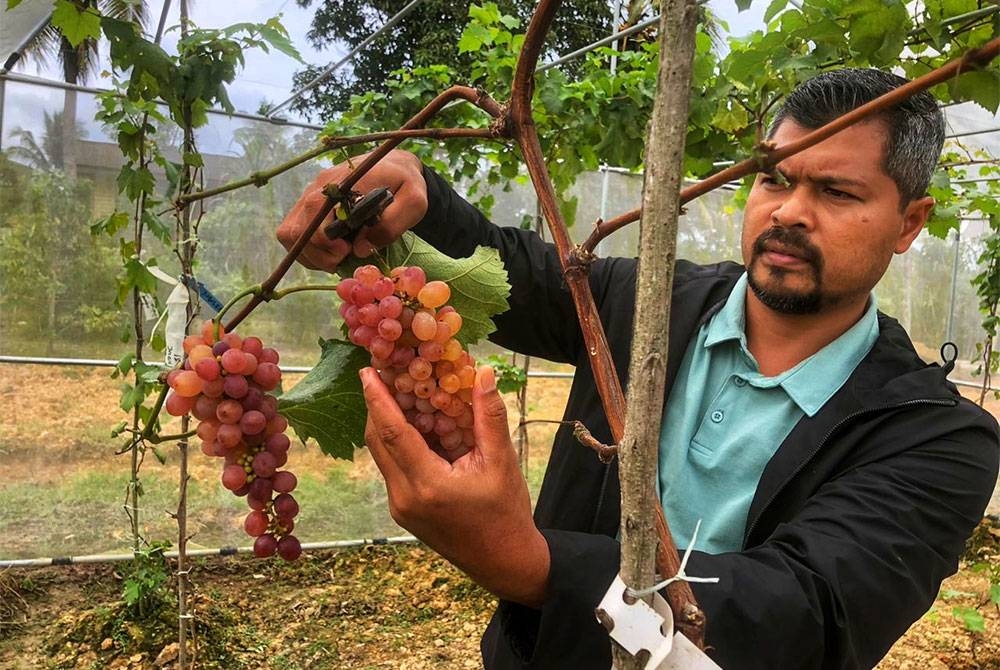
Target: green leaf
(473,38)
(970,618)
(131,396)
(327,404)
(275,35)
(743,5)
(995,594)
(193,158)
(110,224)
(980,86)
(11,4)
(479,287)
(75,23)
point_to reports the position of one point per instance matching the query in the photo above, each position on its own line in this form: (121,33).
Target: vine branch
(327,144)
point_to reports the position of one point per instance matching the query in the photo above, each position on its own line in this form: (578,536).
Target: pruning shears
(364,211)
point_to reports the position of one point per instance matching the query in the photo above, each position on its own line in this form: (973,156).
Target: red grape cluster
(225,383)
(404,322)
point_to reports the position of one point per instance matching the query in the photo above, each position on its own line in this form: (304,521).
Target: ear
(914,217)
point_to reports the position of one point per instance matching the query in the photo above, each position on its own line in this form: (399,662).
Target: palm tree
(48,153)
(79,62)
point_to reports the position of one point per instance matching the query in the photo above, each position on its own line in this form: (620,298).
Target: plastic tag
(176,325)
(637,626)
(206,296)
(148,307)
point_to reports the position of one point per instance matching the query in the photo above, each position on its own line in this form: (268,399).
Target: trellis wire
(62,561)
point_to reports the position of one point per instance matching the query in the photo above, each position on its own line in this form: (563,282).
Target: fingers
(390,437)
(490,423)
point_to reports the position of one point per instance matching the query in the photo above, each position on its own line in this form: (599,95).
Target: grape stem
(157,439)
(278,295)
(147,432)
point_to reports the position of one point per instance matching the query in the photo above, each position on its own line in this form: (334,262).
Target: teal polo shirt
(724,420)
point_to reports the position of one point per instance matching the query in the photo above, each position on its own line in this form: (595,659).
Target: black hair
(915,126)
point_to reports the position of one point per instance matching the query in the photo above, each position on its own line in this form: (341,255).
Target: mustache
(792,239)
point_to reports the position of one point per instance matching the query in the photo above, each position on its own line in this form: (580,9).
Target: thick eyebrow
(823,180)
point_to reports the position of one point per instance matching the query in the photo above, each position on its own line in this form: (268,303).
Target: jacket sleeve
(842,580)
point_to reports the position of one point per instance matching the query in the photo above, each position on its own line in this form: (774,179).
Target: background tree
(81,61)
(427,36)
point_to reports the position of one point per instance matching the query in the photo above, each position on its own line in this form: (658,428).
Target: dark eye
(839,195)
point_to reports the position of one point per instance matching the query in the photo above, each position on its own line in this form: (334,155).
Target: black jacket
(858,517)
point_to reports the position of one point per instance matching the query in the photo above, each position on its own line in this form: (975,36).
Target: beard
(776,296)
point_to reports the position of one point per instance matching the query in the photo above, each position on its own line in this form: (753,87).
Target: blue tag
(207,296)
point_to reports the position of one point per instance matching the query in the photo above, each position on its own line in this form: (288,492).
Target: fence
(63,488)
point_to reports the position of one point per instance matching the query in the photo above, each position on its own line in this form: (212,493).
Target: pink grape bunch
(225,383)
(405,324)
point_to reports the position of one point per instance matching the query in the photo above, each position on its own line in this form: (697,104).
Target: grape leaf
(327,403)
(479,287)
(76,24)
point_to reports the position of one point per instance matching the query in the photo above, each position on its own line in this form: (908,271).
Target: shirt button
(718,415)
(739,381)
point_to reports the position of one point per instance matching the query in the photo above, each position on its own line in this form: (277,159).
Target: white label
(638,626)
(176,325)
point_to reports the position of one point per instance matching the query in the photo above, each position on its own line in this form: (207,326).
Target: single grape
(208,369)
(345,287)
(420,368)
(284,481)
(278,424)
(200,353)
(367,275)
(235,385)
(229,411)
(232,361)
(228,435)
(253,345)
(424,326)
(256,523)
(204,408)
(285,505)
(249,364)
(383,288)
(390,307)
(264,464)
(188,384)
(265,546)
(277,443)
(289,548)
(268,375)
(178,405)
(389,329)
(434,294)
(252,422)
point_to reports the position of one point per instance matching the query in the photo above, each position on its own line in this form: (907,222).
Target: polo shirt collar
(813,381)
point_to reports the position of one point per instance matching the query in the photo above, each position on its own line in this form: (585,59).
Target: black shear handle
(364,212)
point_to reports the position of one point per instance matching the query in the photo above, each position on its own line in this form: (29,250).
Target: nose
(794,208)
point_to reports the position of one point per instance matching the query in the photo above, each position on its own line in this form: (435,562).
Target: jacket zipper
(819,446)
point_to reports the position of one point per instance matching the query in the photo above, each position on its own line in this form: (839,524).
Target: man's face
(825,238)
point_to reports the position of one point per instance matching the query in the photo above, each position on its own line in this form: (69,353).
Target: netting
(64,485)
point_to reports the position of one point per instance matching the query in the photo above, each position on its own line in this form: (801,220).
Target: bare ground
(374,607)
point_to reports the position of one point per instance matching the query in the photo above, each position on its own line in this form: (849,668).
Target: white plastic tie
(681,575)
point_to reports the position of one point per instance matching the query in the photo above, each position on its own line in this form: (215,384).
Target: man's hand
(400,171)
(476,512)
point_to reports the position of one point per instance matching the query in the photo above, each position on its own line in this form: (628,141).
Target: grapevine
(406,325)
(225,382)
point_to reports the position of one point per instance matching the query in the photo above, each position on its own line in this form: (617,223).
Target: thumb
(489,414)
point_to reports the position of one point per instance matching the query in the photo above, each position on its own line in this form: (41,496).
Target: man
(836,475)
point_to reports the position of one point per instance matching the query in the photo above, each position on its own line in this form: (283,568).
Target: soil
(397,606)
